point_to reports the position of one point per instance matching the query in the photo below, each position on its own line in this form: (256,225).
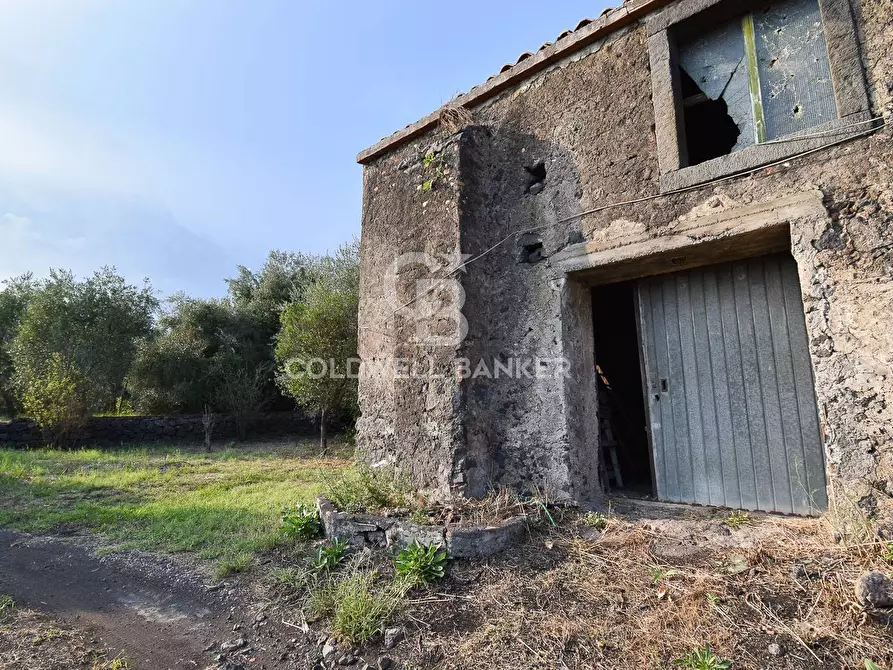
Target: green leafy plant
(659,575)
(301,522)
(713,599)
(703,659)
(596,520)
(737,518)
(433,161)
(871,665)
(329,556)
(887,552)
(7,607)
(421,563)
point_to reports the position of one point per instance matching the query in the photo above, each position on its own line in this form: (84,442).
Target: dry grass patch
(32,640)
(768,593)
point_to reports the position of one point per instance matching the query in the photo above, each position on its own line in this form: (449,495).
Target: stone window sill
(763,154)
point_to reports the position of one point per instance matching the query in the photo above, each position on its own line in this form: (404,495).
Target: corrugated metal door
(729,388)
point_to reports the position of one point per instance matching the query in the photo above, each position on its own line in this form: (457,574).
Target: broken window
(754,78)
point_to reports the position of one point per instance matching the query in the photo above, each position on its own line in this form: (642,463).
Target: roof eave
(631,11)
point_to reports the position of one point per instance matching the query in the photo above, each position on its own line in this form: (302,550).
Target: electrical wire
(839,130)
(686,189)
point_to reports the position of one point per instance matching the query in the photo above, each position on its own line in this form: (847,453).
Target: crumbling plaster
(592,122)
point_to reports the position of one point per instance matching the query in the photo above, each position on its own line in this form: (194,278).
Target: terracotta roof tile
(630,8)
(527,54)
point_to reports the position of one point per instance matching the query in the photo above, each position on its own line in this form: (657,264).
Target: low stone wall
(368,530)
(118,430)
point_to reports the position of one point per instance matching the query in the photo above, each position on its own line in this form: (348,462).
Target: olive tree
(317,344)
(79,338)
(13,300)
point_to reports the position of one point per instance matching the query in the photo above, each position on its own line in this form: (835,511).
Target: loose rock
(874,589)
(775,649)
(392,637)
(798,571)
(233,645)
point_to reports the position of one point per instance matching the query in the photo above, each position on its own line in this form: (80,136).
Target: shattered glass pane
(792,58)
(716,62)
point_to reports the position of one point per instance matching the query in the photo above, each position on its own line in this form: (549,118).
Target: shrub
(52,398)
(702,659)
(329,556)
(242,392)
(420,563)
(301,522)
(359,603)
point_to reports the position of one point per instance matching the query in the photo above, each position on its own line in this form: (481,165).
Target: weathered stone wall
(409,419)
(115,430)
(591,121)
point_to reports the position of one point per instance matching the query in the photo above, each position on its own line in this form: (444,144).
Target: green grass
(223,507)
(359,602)
(7,607)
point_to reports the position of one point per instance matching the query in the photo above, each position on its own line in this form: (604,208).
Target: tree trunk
(323,438)
(9,405)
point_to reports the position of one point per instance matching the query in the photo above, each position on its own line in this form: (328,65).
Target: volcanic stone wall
(116,430)
(577,137)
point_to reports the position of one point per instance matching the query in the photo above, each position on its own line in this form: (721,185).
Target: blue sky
(176,139)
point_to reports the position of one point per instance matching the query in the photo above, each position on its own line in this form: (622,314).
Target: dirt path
(149,610)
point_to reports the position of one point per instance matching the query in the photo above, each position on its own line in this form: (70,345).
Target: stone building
(653,257)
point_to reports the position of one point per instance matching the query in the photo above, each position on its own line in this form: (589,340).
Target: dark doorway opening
(623,439)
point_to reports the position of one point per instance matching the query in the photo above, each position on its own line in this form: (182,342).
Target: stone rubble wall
(380,532)
(135,430)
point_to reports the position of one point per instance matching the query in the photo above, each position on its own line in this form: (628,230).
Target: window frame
(847,76)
